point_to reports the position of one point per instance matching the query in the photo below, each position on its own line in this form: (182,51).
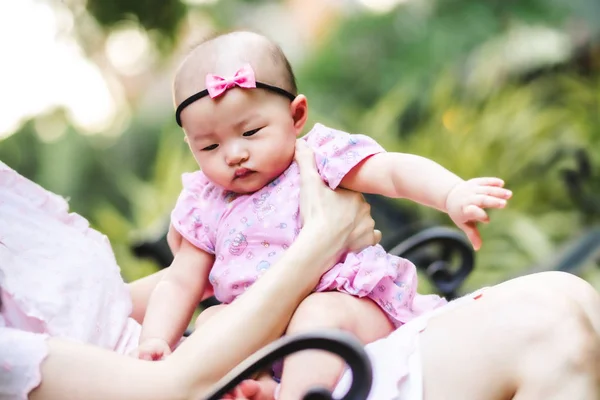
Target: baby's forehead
(225,58)
(230,113)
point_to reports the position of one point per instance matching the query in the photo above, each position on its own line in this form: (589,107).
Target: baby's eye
(211,147)
(250,133)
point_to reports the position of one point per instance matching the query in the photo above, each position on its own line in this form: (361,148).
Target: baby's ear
(299,110)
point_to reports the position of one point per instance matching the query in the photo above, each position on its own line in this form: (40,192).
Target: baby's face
(243,139)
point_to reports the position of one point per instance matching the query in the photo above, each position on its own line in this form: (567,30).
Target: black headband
(203,93)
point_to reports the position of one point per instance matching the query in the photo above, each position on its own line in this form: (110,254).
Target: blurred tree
(161,17)
(409,78)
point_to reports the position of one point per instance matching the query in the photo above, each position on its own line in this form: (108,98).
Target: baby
(239,107)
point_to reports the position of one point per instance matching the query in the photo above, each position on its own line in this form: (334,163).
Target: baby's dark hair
(276,55)
(279,57)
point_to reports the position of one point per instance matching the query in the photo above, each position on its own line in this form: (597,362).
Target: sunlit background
(496,87)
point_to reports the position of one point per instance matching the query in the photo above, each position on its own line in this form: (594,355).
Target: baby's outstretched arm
(173,301)
(424,181)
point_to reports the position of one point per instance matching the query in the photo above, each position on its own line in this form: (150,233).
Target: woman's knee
(568,284)
(581,327)
(584,294)
(556,288)
(559,314)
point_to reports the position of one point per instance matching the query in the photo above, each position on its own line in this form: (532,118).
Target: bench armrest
(443,254)
(337,342)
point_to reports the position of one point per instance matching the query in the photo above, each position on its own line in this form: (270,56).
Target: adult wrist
(318,247)
(323,237)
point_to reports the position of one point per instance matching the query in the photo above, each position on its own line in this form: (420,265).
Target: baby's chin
(247,185)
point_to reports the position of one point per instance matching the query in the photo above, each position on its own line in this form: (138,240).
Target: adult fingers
(306,162)
(363,236)
(377,236)
(313,192)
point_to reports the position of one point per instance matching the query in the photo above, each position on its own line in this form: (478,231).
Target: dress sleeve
(337,152)
(21,356)
(191,216)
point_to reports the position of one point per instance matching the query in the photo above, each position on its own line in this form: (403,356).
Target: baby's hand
(467,200)
(153,349)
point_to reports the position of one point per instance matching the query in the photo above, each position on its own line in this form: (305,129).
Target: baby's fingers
(488,181)
(494,191)
(474,213)
(473,235)
(484,201)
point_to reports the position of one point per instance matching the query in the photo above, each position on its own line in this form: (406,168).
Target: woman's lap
(525,333)
(471,348)
(396,359)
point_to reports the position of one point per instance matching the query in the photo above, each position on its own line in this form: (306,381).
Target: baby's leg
(328,310)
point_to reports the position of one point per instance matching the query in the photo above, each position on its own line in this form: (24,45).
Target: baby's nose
(236,156)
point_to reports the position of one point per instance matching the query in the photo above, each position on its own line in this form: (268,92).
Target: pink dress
(248,233)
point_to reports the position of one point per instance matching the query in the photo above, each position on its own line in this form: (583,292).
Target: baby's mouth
(242,173)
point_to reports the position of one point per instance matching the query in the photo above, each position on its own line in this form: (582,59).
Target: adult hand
(340,213)
(467,200)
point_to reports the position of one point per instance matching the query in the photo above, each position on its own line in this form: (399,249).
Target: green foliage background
(443,79)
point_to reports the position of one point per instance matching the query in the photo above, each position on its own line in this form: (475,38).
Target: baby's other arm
(177,294)
(174,239)
(426,182)
(401,175)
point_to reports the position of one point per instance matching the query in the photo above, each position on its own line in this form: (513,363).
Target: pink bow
(243,78)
